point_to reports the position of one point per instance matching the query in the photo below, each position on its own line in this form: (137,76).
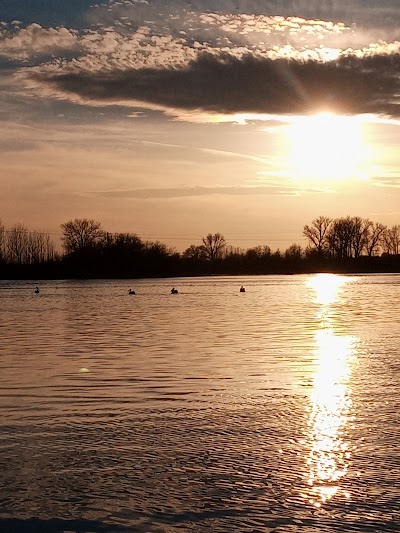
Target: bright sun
(326,147)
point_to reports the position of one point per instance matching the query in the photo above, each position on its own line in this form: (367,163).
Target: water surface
(210,410)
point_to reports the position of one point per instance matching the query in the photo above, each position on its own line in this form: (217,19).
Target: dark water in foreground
(274,410)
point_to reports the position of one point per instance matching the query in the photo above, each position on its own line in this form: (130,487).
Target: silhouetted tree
(122,252)
(293,257)
(317,233)
(80,234)
(17,244)
(214,246)
(194,252)
(294,251)
(360,229)
(127,241)
(391,240)
(374,237)
(233,250)
(345,237)
(40,248)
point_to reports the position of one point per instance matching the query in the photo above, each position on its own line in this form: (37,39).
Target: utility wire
(175,237)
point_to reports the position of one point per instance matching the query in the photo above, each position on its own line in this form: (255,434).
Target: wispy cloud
(392,182)
(211,151)
(276,187)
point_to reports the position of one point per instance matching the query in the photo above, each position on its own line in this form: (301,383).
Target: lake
(276,409)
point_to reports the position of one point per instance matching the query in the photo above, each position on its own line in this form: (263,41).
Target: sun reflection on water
(326,287)
(330,399)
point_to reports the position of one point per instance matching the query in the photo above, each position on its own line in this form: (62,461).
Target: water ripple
(274,410)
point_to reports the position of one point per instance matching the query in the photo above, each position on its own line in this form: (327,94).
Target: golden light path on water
(330,400)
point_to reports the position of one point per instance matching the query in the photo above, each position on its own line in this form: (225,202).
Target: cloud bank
(188,58)
(226,84)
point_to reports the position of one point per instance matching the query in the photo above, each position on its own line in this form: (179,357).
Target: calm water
(210,410)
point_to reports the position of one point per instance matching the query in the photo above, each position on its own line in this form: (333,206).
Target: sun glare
(327,148)
(329,452)
(326,287)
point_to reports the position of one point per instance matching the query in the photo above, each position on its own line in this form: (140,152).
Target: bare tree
(39,248)
(158,248)
(317,233)
(391,240)
(374,238)
(124,241)
(348,236)
(81,233)
(294,252)
(214,246)
(360,230)
(258,252)
(194,252)
(340,237)
(17,244)
(27,247)
(49,248)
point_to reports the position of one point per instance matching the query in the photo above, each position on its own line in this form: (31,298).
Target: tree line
(346,244)
(351,237)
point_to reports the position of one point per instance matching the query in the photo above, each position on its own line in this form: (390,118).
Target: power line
(250,238)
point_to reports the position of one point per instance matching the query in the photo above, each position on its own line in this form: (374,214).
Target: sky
(176,118)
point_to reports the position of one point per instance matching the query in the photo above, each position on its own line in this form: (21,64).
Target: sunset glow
(173,119)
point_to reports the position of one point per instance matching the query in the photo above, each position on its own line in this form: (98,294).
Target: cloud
(202,65)
(24,43)
(184,192)
(367,12)
(250,31)
(223,83)
(387,181)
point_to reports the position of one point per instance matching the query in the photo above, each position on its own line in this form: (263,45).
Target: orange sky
(172,120)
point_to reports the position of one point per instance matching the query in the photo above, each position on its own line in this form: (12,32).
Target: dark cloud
(227,84)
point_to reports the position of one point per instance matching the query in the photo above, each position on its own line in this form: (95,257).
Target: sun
(326,147)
